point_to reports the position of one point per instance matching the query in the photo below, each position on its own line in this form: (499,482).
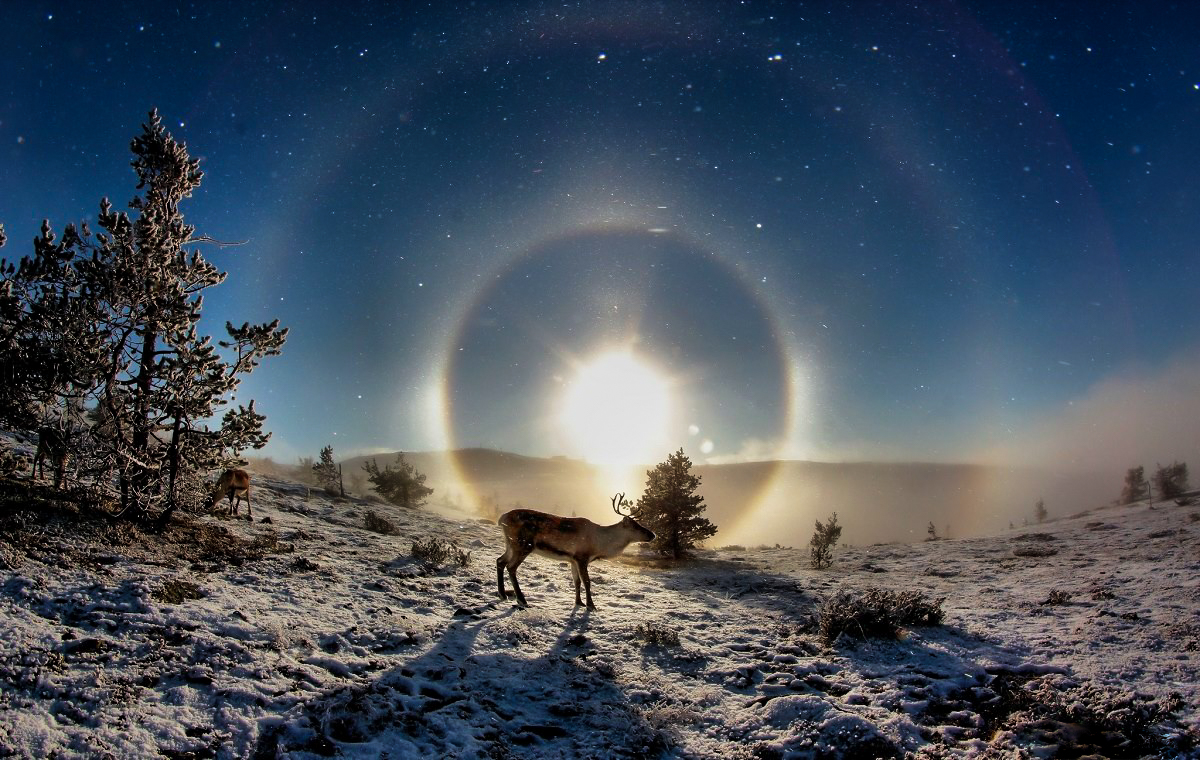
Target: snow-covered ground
(311,636)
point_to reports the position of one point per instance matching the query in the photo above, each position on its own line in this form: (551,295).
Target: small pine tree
(672,509)
(1039,511)
(932,532)
(328,473)
(1135,485)
(1171,480)
(401,485)
(824,538)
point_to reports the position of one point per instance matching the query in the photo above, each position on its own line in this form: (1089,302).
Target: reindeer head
(618,501)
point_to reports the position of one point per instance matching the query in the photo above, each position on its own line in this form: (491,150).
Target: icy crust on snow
(331,640)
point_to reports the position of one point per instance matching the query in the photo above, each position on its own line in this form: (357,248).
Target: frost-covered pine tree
(49,344)
(672,509)
(129,341)
(329,475)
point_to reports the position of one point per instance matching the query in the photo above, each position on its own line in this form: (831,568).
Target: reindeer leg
(500,562)
(249,516)
(575,575)
(512,566)
(587,585)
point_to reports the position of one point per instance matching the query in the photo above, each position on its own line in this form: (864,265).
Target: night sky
(922,231)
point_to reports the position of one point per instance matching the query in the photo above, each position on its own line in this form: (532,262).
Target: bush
(657,635)
(435,552)
(377,523)
(1034,551)
(175,591)
(1103,718)
(824,538)
(875,613)
(1057,598)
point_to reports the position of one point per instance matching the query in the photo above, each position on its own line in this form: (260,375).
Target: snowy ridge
(324,639)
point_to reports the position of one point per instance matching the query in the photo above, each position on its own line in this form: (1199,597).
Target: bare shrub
(671,719)
(1057,598)
(175,591)
(304,565)
(657,635)
(377,523)
(875,613)
(1103,718)
(267,543)
(435,552)
(1034,551)
(13,462)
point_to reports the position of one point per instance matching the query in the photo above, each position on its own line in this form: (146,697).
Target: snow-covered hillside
(310,636)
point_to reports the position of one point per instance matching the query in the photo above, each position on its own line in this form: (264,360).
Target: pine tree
(671,508)
(824,538)
(1171,480)
(1039,511)
(112,317)
(401,485)
(328,473)
(1135,485)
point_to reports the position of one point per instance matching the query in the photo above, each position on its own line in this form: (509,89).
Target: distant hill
(767,502)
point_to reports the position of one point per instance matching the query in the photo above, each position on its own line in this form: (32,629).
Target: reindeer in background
(234,484)
(53,444)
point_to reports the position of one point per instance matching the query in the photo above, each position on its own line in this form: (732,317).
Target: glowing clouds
(616,410)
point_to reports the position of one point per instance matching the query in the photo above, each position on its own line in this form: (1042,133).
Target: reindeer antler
(618,501)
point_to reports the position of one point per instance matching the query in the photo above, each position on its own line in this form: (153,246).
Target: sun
(616,410)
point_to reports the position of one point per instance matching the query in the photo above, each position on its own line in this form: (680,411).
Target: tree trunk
(140,442)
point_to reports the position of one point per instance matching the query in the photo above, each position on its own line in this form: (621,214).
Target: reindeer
(575,539)
(52,445)
(234,484)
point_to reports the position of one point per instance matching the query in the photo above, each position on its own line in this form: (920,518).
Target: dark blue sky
(865,231)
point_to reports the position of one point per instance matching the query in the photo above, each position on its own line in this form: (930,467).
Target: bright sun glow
(616,410)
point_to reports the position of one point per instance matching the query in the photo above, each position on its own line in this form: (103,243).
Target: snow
(319,638)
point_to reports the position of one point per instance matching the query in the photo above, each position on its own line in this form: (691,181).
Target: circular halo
(572,299)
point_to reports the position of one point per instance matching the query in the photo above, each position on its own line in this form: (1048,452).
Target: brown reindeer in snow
(574,539)
(234,484)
